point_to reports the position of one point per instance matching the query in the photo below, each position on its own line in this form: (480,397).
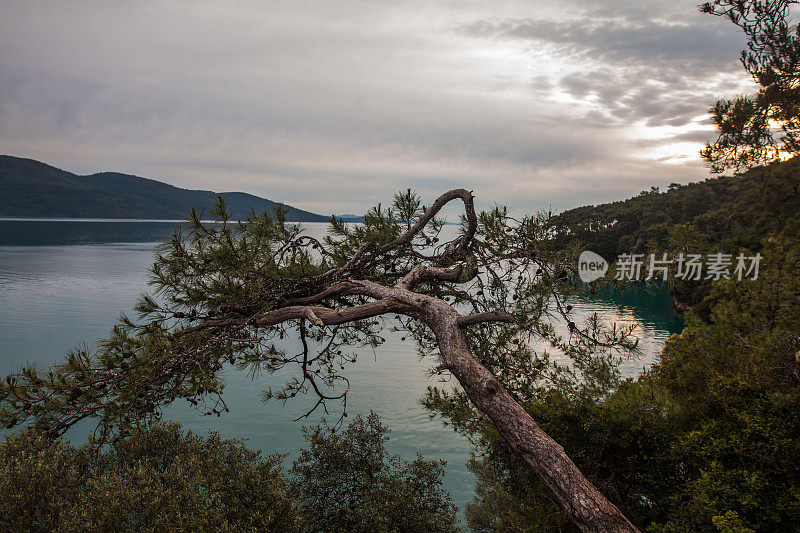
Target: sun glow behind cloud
(664,142)
(334,107)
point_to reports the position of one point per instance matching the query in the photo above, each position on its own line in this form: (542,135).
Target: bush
(157,479)
(346,481)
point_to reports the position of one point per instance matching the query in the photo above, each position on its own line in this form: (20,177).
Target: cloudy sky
(333,106)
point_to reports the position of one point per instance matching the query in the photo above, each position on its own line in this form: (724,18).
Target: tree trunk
(575,494)
(577,497)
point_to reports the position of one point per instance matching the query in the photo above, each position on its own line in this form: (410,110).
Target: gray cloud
(651,69)
(333,107)
(615,40)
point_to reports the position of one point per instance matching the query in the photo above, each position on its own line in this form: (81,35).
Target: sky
(334,106)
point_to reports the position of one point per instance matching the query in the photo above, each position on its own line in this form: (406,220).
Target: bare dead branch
(469,212)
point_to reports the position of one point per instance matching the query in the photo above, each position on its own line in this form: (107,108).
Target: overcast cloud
(333,106)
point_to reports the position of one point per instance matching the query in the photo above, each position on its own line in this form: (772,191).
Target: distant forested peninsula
(33,189)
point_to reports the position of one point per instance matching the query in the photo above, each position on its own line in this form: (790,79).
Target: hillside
(33,189)
(725,213)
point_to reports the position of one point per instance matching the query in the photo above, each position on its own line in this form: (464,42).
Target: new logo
(591,266)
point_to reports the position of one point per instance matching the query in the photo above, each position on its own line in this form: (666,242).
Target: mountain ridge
(34,189)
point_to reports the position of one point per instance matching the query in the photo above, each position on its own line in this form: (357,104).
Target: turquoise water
(64,283)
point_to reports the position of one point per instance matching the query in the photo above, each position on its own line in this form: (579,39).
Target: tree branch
(424,272)
(327,317)
(469,212)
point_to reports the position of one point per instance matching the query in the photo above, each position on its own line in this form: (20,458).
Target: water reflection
(70,232)
(647,307)
(65,283)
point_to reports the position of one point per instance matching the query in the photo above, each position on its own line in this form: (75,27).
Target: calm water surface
(64,283)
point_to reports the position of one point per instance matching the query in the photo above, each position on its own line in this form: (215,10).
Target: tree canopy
(160,478)
(157,479)
(346,481)
(765,126)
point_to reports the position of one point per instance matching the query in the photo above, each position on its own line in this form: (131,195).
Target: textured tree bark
(578,498)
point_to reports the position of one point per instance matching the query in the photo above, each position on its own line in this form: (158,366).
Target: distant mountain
(33,189)
(350,218)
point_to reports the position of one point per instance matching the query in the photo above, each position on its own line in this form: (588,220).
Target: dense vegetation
(162,479)
(726,214)
(33,189)
(706,440)
(347,482)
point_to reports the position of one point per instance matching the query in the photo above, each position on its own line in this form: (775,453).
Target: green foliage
(347,482)
(158,479)
(747,124)
(704,441)
(725,214)
(217,284)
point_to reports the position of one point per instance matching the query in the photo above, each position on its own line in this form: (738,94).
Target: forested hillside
(704,440)
(725,213)
(33,189)
(728,214)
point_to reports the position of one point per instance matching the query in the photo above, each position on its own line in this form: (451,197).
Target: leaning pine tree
(229,291)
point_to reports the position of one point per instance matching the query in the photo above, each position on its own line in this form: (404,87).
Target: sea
(63,284)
